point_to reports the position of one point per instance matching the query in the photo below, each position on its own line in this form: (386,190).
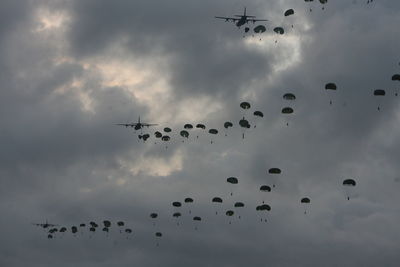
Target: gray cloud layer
(70,70)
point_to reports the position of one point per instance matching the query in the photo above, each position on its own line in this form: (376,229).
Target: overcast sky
(70,70)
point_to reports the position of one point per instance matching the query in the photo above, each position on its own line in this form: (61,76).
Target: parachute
(167,130)
(274,171)
(232,180)
(188,200)
(158,234)
(74,229)
(107,223)
(260,29)
(177,214)
(279,30)
(165,138)
(200,126)
(176,204)
(82,225)
(244,123)
(158,134)
(188,126)
(228,124)
(217,200)
(289,96)
(305,200)
(330,86)
(239,205)
(230,213)
(128,230)
(245,105)
(258,114)
(265,188)
(63,229)
(213,131)
(120,223)
(196,218)
(263,207)
(287,110)
(349,183)
(379,92)
(184,134)
(289,12)
(396,77)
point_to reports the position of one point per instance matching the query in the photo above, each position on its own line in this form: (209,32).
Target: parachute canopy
(188,126)
(239,205)
(245,105)
(200,126)
(260,29)
(349,182)
(158,234)
(176,204)
(258,113)
(396,77)
(289,12)
(379,92)
(274,171)
(279,30)
(213,131)
(217,200)
(184,134)
(165,138)
(232,180)
(188,200)
(153,215)
(167,130)
(263,207)
(158,134)
(244,123)
(230,213)
(228,124)
(265,188)
(305,200)
(287,110)
(177,214)
(330,86)
(289,96)
(120,223)
(196,218)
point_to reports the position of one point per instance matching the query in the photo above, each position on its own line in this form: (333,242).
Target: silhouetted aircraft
(138,125)
(243,19)
(45,225)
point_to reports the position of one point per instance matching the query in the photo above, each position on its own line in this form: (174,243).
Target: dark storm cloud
(69,164)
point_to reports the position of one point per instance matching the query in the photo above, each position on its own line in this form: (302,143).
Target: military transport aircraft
(242,19)
(45,225)
(138,125)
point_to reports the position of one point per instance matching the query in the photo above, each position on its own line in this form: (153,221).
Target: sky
(71,70)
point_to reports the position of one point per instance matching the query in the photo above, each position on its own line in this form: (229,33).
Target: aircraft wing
(228,19)
(254,20)
(149,124)
(127,124)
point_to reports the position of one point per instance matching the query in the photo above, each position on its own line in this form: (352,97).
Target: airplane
(45,225)
(242,20)
(138,125)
